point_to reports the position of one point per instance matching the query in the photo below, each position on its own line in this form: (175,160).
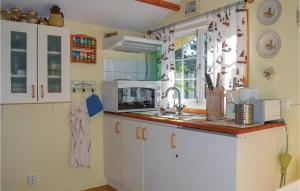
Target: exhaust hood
(131,44)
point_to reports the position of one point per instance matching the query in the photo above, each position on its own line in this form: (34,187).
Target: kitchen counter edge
(199,124)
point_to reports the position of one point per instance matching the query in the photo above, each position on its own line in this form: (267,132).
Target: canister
(244,114)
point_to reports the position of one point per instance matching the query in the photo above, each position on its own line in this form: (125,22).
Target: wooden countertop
(202,124)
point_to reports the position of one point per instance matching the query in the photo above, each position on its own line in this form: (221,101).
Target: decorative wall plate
(269,11)
(268,44)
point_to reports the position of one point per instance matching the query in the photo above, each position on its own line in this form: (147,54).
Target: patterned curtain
(227,45)
(167,74)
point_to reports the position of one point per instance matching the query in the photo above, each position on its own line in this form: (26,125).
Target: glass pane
(178,69)
(54,64)
(18,62)
(178,48)
(178,84)
(190,89)
(18,40)
(189,69)
(136,98)
(190,47)
(178,54)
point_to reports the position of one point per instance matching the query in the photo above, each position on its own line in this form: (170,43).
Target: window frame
(200,58)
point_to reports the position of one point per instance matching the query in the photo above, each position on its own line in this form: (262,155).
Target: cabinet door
(112,148)
(204,161)
(53,64)
(157,157)
(132,156)
(19,62)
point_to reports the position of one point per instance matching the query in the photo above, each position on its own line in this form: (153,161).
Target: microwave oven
(126,96)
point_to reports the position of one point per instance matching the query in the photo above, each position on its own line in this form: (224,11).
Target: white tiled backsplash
(114,69)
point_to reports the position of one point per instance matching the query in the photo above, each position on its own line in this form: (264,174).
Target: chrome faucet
(179,107)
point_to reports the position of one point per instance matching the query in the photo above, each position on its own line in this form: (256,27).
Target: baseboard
(84,186)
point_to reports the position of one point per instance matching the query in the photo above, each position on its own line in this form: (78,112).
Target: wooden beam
(162,3)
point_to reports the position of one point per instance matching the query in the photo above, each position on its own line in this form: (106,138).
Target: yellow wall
(286,64)
(36,137)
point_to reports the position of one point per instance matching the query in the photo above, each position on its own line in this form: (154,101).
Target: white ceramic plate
(268,44)
(269,11)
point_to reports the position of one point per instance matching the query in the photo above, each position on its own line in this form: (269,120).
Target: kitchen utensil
(32,13)
(4,15)
(43,21)
(15,10)
(234,80)
(218,80)
(269,44)
(33,20)
(269,12)
(244,114)
(209,82)
(232,98)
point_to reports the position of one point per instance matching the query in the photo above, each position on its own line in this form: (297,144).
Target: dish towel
(81,138)
(94,105)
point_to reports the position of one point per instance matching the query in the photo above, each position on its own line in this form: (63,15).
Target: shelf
(18,76)
(18,50)
(54,77)
(85,47)
(54,52)
(84,62)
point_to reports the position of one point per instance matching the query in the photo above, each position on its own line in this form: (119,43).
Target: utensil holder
(244,114)
(215,104)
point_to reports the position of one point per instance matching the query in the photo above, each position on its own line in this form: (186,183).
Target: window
(189,60)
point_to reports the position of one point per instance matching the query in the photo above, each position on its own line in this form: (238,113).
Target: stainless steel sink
(172,115)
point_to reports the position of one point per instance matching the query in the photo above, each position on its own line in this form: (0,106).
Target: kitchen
(41,145)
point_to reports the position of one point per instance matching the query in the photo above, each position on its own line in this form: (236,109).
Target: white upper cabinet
(35,65)
(54,67)
(18,62)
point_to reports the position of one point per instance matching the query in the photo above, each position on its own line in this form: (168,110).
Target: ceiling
(121,14)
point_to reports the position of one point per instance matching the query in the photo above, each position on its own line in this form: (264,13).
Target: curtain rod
(199,16)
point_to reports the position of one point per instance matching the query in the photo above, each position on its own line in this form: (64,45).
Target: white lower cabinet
(112,148)
(131,156)
(203,161)
(157,157)
(145,156)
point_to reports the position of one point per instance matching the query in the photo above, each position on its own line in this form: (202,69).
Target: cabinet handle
(42,91)
(33,91)
(137,132)
(117,130)
(173,141)
(143,134)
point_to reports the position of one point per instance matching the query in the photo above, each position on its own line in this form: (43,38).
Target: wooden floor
(101,188)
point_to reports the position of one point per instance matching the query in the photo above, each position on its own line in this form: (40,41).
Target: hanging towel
(94,105)
(81,139)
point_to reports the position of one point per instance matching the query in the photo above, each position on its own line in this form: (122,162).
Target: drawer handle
(173,141)
(42,91)
(117,130)
(143,134)
(137,132)
(33,91)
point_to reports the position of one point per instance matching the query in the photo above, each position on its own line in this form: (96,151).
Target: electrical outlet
(286,104)
(32,180)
